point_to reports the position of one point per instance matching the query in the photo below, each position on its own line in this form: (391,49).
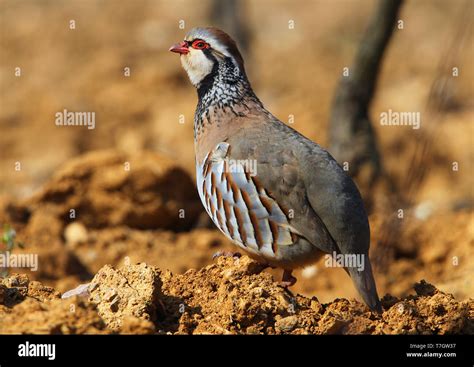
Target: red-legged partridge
(276,194)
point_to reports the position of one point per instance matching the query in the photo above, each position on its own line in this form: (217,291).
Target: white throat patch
(197,65)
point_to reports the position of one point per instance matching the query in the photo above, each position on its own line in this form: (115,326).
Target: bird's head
(204,49)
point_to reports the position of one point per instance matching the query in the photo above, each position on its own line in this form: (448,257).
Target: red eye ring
(199,45)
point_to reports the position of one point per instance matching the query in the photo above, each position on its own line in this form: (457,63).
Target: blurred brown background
(293,71)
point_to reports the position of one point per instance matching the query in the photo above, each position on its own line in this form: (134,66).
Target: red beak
(180,48)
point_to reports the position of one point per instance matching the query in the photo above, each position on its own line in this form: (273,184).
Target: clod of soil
(231,296)
(109,188)
(134,292)
(95,211)
(31,308)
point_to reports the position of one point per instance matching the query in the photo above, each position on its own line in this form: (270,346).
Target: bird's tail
(365,283)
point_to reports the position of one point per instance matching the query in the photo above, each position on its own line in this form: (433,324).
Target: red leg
(287,280)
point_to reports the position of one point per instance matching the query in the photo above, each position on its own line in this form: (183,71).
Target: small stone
(424,288)
(244,305)
(334,326)
(283,301)
(316,306)
(228,274)
(258,292)
(424,210)
(309,271)
(65,329)
(17,280)
(286,324)
(253,330)
(75,233)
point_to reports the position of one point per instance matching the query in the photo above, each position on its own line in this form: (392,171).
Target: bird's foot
(287,279)
(226,254)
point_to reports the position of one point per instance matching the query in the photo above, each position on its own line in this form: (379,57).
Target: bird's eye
(199,45)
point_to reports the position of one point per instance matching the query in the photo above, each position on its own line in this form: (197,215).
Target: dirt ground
(231,296)
(117,206)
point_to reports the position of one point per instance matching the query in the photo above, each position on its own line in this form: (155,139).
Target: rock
(424,289)
(309,271)
(34,308)
(110,188)
(286,324)
(331,325)
(132,290)
(75,233)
